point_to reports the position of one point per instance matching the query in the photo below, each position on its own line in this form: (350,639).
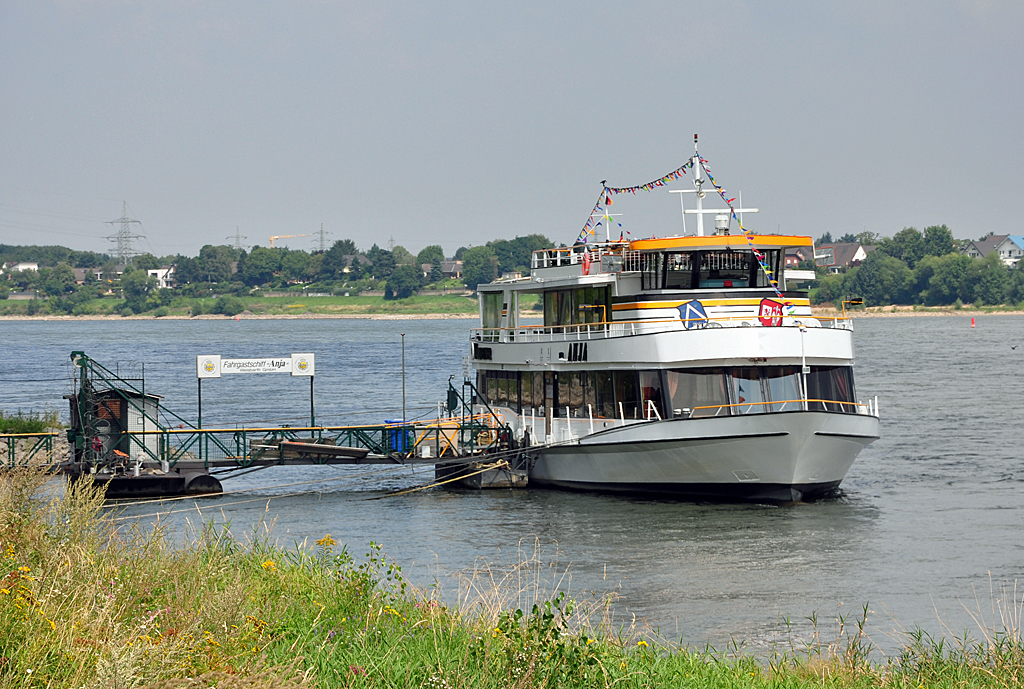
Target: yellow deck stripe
(705,302)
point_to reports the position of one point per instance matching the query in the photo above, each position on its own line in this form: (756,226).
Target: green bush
(228,306)
(161,312)
(127,311)
(33,422)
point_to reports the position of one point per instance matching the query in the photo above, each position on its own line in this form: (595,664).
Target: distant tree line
(231,272)
(928,268)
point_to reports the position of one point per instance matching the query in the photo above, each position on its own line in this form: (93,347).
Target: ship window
(725,269)
(605,396)
(745,391)
(492,388)
(651,266)
(538,391)
(563,398)
(490,316)
(627,395)
(678,271)
(589,394)
(783,387)
(650,389)
(701,390)
(575,306)
(526,391)
(771,259)
(830,387)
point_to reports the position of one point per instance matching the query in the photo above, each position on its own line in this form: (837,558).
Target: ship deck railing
(606,330)
(626,260)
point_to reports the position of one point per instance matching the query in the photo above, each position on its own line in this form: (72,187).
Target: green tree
(986,281)
(433,254)
(403,282)
(479,265)
(830,289)
(294,265)
(383,262)
(938,241)
(261,265)
(869,238)
(402,256)
(136,287)
(57,280)
(187,270)
(946,278)
(907,245)
(215,262)
(847,239)
(880,280)
(146,262)
(336,259)
(517,254)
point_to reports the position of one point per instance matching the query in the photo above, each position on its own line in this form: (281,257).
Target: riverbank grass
(87,600)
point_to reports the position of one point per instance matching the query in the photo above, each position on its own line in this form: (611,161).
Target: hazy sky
(456,123)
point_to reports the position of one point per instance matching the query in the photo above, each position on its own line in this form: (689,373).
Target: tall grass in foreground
(90,602)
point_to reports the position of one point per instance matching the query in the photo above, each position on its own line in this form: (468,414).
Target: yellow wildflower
(327,541)
(269,565)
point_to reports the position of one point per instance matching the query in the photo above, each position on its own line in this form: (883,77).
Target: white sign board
(825,256)
(213,366)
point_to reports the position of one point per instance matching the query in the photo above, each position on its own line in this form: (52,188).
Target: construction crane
(285,236)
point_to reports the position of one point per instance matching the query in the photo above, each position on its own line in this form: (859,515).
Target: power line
(124,236)
(323,238)
(238,237)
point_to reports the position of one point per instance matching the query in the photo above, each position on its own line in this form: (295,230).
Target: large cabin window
(490,314)
(724,269)
(697,392)
(678,271)
(576,306)
(627,394)
(830,387)
(720,269)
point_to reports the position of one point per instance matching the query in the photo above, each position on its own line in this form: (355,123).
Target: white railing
(600,331)
(618,258)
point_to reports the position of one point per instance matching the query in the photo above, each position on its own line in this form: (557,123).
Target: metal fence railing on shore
(28,449)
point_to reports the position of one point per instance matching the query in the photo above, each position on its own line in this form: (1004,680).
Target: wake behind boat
(687,366)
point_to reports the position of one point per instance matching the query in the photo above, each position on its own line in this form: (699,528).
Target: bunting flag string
(606,197)
(749,236)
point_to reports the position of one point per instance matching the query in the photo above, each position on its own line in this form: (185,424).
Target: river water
(927,526)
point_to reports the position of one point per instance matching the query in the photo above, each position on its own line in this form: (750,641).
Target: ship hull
(786,456)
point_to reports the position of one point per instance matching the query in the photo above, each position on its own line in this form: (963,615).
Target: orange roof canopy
(761,241)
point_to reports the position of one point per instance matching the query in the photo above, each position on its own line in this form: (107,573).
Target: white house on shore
(1009,247)
(164,276)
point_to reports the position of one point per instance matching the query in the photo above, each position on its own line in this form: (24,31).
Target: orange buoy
(972,321)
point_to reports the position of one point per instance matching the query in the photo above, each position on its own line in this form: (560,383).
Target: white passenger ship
(674,366)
